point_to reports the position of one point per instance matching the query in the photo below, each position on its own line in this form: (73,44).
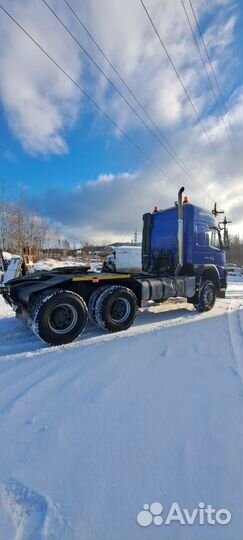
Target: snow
(134,247)
(7,256)
(49,263)
(93,430)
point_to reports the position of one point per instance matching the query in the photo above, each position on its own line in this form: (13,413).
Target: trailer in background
(124,259)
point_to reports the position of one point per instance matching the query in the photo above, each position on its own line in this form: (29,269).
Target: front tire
(116,308)
(58,316)
(207,297)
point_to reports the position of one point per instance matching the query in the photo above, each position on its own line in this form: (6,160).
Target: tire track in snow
(235,326)
(33,515)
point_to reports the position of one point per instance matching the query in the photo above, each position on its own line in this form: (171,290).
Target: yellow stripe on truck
(97,279)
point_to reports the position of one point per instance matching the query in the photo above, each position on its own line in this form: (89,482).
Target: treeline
(235,251)
(21,229)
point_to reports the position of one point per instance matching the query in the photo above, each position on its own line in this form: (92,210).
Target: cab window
(214,239)
(201,235)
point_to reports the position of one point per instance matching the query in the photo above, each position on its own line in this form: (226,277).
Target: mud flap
(221,293)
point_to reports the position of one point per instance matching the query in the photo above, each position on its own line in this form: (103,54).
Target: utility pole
(224,228)
(215,211)
(135,237)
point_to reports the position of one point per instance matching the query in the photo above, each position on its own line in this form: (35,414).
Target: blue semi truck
(183,255)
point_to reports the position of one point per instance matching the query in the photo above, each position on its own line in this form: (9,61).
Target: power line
(196,182)
(211,66)
(175,69)
(138,102)
(122,96)
(209,80)
(100,109)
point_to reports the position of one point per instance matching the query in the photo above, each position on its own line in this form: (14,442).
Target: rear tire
(207,297)
(58,316)
(92,303)
(116,308)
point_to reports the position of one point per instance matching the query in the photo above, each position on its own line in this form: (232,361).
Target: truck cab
(200,245)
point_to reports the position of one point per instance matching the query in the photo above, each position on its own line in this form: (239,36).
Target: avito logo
(152,514)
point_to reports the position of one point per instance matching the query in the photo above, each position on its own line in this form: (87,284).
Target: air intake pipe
(180,235)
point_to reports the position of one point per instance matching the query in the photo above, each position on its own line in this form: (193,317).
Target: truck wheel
(116,308)
(58,316)
(207,297)
(92,302)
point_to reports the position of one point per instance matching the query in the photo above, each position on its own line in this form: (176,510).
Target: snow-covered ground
(92,431)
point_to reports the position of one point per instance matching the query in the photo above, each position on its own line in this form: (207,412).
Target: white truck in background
(12,266)
(124,259)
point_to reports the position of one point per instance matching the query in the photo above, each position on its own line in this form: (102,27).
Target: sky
(74,165)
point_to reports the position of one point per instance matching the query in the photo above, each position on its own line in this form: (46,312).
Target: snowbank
(48,264)
(235,279)
(7,256)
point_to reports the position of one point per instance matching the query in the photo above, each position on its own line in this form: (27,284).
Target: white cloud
(39,102)
(111,207)
(41,105)
(134,48)
(219,36)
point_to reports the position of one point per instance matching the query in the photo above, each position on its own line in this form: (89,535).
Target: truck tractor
(183,255)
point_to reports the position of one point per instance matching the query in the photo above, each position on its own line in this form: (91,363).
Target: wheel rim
(120,310)
(208,296)
(62,318)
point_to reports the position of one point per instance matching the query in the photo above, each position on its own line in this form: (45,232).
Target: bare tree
(235,252)
(23,230)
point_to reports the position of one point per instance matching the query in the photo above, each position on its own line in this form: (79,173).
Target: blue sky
(69,158)
(89,155)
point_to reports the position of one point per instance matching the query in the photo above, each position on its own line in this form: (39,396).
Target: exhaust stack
(180,231)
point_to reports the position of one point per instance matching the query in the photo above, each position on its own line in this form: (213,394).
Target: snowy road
(92,431)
